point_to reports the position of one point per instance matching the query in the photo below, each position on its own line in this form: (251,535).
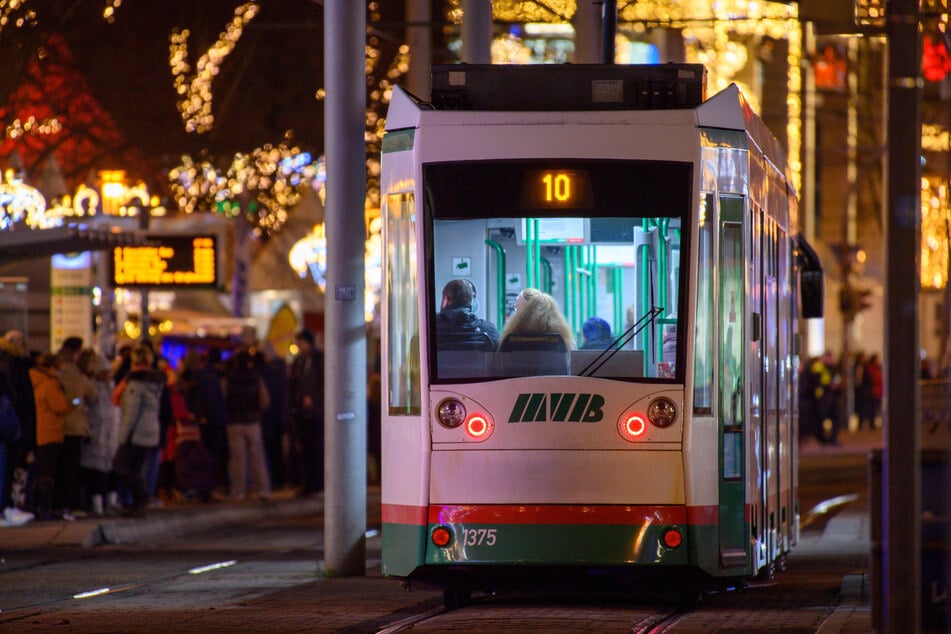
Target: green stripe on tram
(404,547)
(557,544)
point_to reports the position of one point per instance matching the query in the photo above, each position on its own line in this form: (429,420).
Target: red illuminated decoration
(935,59)
(84,136)
(829,69)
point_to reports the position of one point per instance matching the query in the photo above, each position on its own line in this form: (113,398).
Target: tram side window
(402,292)
(703,334)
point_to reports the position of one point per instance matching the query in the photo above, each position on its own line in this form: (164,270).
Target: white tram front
(624,194)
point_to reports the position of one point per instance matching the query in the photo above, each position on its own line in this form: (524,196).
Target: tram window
(631,284)
(611,248)
(402,292)
(703,326)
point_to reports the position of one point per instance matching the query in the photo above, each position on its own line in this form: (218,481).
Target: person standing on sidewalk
(15,365)
(246,397)
(51,409)
(80,390)
(139,397)
(103,440)
(306,390)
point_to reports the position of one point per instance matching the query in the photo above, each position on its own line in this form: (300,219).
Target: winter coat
(461,320)
(140,402)
(76,384)
(246,396)
(51,406)
(15,370)
(100,447)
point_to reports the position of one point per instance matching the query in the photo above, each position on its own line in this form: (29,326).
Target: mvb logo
(572,408)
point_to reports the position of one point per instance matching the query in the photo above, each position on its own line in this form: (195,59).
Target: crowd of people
(84,434)
(821,395)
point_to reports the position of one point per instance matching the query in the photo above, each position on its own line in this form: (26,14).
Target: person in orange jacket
(51,409)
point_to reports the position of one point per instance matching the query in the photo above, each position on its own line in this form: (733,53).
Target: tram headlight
(662,412)
(450,413)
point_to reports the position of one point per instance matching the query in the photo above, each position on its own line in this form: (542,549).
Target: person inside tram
(457,324)
(595,334)
(536,313)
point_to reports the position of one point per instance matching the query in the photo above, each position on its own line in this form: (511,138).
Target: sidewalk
(172,520)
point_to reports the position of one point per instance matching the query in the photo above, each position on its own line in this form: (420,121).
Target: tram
(623,193)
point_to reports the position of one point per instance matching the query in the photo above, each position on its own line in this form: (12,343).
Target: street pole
(901,476)
(419,38)
(608,30)
(345,360)
(476,32)
(587,23)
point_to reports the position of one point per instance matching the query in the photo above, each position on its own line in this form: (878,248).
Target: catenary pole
(476,32)
(419,38)
(901,477)
(345,413)
(587,23)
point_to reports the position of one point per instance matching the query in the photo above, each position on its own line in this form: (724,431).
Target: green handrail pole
(546,268)
(592,282)
(617,286)
(499,281)
(568,279)
(536,257)
(663,281)
(644,287)
(529,238)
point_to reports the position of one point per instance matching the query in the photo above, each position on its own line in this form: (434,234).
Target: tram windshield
(556,267)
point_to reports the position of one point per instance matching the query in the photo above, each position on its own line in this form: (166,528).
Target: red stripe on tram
(557,514)
(403,514)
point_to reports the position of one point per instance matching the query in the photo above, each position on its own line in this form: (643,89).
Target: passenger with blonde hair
(536,313)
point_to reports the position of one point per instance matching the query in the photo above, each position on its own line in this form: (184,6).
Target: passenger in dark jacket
(457,315)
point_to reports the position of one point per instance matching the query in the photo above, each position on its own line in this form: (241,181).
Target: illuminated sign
(557,189)
(183,261)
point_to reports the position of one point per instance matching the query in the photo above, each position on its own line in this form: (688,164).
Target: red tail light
(632,426)
(441,536)
(479,427)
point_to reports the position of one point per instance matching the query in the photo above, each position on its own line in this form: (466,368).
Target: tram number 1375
(479,536)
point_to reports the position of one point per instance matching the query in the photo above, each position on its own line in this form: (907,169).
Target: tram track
(537,613)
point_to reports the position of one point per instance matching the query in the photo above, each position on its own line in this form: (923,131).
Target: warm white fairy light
(194,88)
(33,127)
(15,13)
(263,185)
(18,200)
(84,203)
(935,232)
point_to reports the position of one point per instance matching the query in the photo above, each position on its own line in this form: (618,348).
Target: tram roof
(567,87)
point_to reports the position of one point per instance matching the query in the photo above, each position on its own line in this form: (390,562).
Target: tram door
(732,378)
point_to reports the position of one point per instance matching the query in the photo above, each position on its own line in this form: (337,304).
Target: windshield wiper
(622,340)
